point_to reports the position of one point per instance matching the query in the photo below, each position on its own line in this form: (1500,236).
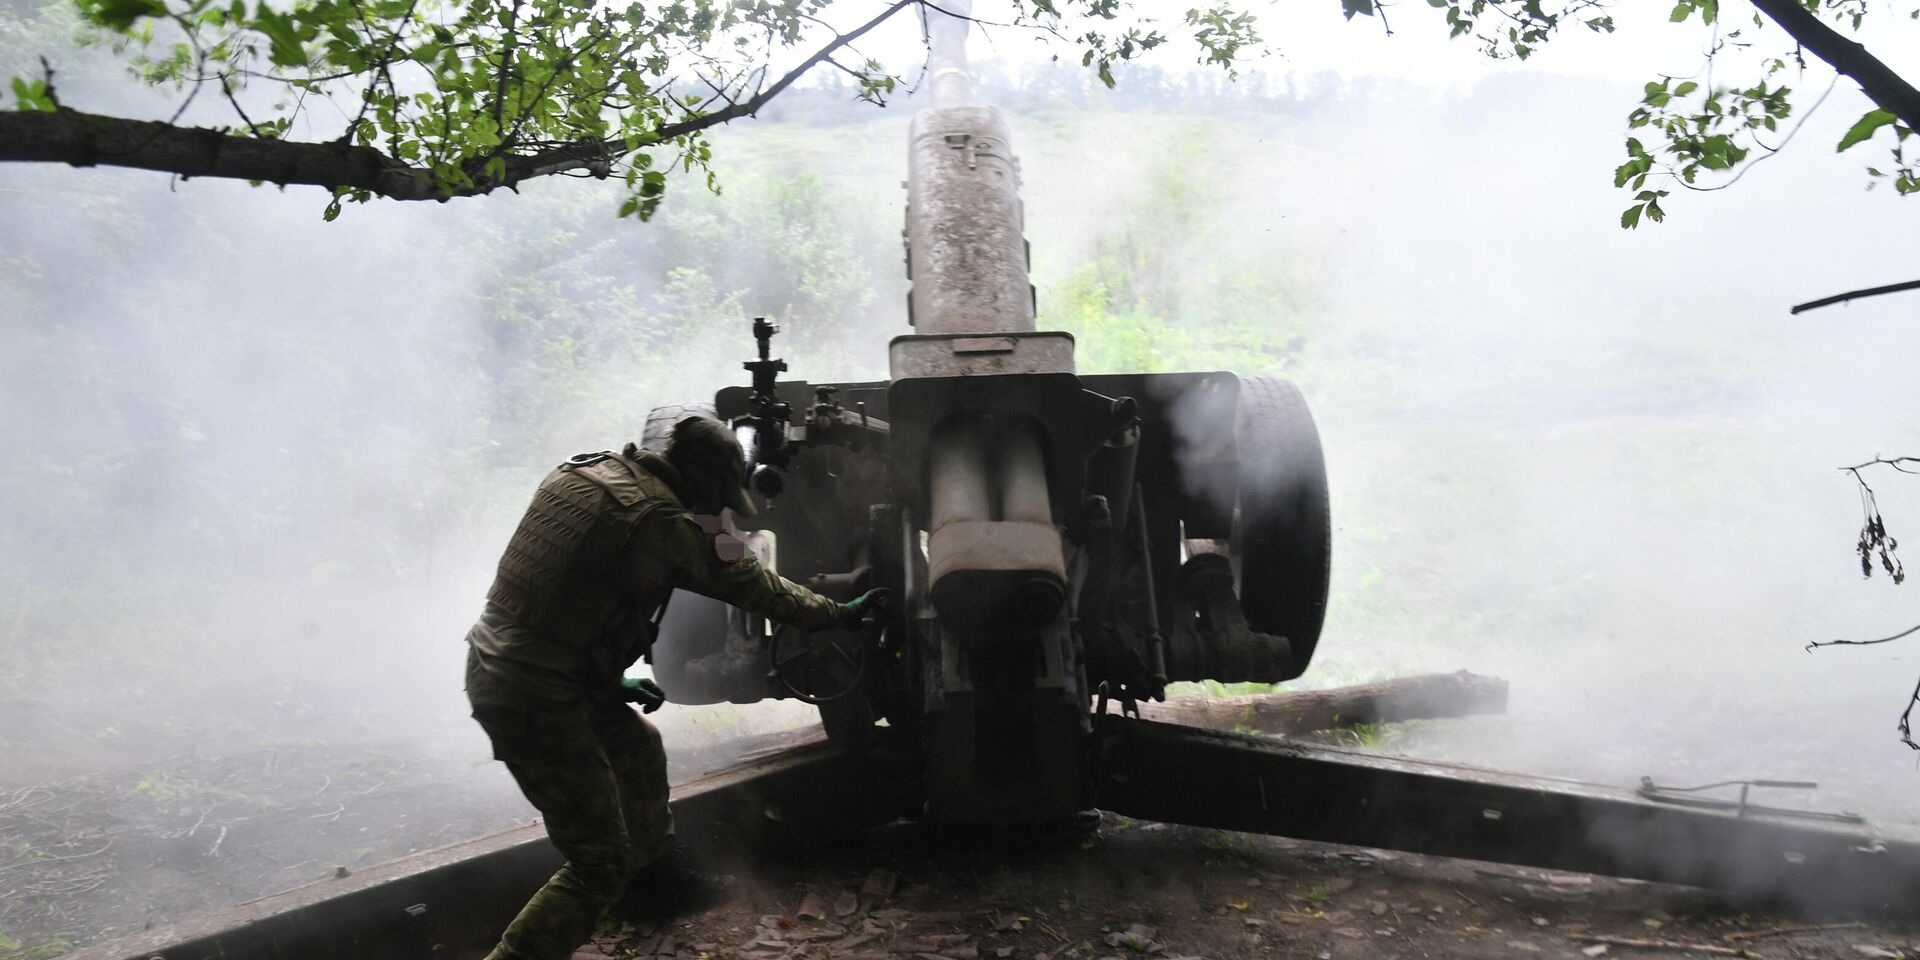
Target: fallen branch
(1666,945)
(1425,697)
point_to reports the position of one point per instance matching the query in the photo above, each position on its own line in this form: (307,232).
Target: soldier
(573,606)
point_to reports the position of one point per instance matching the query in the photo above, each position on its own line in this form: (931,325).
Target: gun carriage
(1057,541)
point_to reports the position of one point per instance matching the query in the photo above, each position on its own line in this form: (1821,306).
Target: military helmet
(709,456)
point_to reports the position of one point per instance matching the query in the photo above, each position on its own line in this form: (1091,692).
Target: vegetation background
(259,468)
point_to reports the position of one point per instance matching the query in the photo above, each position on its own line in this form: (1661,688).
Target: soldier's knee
(603,877)
(608,880)
(650,737)
(622,728)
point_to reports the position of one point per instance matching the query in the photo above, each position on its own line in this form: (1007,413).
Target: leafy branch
(1874,543)
(461,98)
(1705,135)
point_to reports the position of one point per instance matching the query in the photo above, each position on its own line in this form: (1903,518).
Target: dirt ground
(1148,891)
(99,854)
(157,831)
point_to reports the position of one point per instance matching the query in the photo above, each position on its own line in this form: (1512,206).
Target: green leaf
(1865,127)
(34,95)
(1685,87)
(121,14)
(286,51)
(1630,217)
(1629,170)
(1353,8)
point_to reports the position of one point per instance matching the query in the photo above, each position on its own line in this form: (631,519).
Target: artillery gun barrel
(966,250)
(994,553)
(949,82)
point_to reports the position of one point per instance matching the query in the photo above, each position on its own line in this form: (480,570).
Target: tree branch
(86,139)
(1886,88)
(1855,295)
(1813,645)
(1905,725)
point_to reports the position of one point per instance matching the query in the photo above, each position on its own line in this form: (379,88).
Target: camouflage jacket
(600,548)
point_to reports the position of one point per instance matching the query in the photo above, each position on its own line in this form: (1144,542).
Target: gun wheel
(818,668)
(1284,544)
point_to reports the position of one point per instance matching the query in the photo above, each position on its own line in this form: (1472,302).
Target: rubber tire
(1284,540)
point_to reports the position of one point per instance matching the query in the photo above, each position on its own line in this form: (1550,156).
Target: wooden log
(1425,697)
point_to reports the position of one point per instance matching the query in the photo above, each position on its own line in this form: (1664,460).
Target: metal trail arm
(451,902)
(1160,771)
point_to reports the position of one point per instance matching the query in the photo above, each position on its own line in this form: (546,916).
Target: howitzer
(1063,543)
(1056,539)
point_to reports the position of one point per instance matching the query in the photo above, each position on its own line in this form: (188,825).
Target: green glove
(873,602)
(642,691)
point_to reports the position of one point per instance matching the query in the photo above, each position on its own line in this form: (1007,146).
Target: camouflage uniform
(571,609)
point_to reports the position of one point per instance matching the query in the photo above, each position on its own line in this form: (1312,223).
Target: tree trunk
(1408,698)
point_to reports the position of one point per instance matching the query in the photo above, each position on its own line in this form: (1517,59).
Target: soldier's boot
(673,886)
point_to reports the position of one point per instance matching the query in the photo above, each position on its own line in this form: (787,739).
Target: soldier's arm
(686,556)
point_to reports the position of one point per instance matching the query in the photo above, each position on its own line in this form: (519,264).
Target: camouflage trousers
(597,773)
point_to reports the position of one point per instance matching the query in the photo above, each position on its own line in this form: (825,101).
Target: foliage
(1702,127)
(473,95)
(1160,292)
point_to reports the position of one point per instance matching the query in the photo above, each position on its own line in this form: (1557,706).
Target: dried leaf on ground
(846,904)
(812,906)
(822,931)
(857,940)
